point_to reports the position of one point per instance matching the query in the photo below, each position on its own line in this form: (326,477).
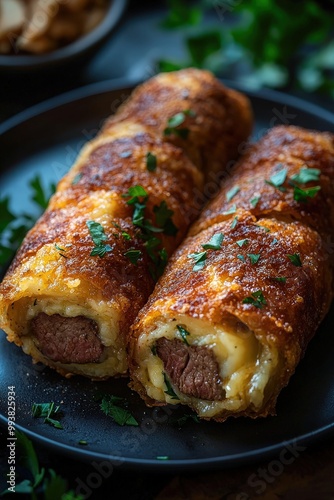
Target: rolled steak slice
(67,340)
(194,370)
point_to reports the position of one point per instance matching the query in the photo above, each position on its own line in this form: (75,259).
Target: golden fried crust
(291,314)
(296,294)
(283,147)
(55,261)
(104,177)
(221,125)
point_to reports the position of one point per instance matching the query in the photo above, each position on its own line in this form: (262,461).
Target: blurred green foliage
(280,43)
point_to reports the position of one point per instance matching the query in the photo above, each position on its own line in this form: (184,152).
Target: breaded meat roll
(246,291)
(89,264)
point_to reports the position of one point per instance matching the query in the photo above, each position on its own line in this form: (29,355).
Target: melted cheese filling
(245,365)
(114,358)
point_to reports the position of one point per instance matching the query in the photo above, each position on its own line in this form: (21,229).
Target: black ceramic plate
(46,140)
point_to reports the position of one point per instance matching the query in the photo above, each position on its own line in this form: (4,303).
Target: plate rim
(124,84)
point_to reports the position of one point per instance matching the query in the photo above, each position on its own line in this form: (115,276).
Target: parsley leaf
(175,121)
(256,299)
(40,196)
(135,192)
(133,256)
(110,405)
(242,243)
(98,236)
(306,175)
(232,192)
(295,259)
(126,236)
(199,259)
(254,257)
(280,279)
(163,216)
(215,243)
(180,15)
(231,210)
(47,411)
(234,222)
(6,215)
(277,180)
(170,391)
(241,257)
(151,162)
(304,195)
(254,201)
(184,333)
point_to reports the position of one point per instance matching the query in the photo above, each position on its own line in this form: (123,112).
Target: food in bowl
(42,26)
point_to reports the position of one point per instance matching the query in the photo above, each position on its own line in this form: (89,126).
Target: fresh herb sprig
(199,258)
(114,407)
(39,480)
(138,198)
(49,412)
(183,333)
(96,231)
(14,226)
(173,124)
(256,299)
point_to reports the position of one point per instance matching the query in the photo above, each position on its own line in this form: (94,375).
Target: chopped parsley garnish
(254,201)
(83,442)
(162,457)
(199,259)
(215,243)
(163,217)
(41,482)
(274,242)
(60,250)
(98,236)
(39,194)
(184,333)
(254,257)
(231,210)
(277,180)
(295,259)
(138,197)
(232,192)
(170,391)
(234,222)
(126,236)
(76,179)
(242,243)
(256,299)
(113,406)
(151,162)
(304,195)
(49,412)
(175,121)
(154,349)
(133,256)
(280,279)
(241,257)
(14,227)
(134,193)
(306,175)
